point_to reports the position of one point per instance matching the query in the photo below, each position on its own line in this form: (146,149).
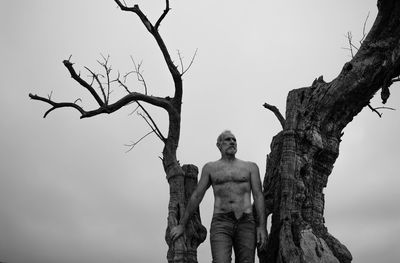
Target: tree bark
(184,249)
(304,152)
(182,182)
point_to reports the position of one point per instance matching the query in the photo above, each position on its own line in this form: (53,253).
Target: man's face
(228,144)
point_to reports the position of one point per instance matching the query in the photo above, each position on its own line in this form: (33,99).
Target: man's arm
(194,202)
(259,204)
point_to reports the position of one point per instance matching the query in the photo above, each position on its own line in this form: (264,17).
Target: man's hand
(261,237)
(176,232)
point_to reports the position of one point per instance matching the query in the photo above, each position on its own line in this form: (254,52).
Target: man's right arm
(194,201)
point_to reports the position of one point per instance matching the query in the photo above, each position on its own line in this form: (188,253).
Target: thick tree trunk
(182,185)
(304,152)
(182,182)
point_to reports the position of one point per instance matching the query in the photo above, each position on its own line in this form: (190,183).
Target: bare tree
(303,153)
(182,179)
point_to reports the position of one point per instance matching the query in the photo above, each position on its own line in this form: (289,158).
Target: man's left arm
(259,204)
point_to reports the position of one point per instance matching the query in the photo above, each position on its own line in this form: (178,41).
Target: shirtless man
(233,224)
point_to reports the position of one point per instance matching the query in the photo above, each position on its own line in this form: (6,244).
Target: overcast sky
(69,192)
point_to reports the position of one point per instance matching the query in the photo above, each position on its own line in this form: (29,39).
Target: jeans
(227,232)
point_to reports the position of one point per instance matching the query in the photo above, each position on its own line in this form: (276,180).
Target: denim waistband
(231,215)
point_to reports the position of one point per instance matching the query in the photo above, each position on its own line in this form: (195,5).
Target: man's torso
(231,182)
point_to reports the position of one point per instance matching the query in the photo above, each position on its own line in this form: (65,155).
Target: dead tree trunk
(304,152)
(182,180)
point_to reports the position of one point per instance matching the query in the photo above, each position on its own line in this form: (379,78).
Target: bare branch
(364,26)
(137,107)
(180,60)
(183,69)
(132,145)
(277,113)
(153,125)
(107,69)
(96,77)
(139,74)
(56,105)
(379,108)
(349,39)
(135,9)
(123,84)
(374,110)
(384,108)
(126,100)
(162,15)
(160,42)
(82,82)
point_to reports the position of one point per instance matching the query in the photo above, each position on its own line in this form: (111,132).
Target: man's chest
(230,175)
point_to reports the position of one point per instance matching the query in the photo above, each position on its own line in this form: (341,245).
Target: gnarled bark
(304,152)
(184,249)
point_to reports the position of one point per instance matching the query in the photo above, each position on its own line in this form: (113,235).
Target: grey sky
(70,193)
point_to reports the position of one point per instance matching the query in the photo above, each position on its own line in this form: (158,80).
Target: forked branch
(105,107)
(56,105)
(82,82)
(183,68)
(133,144)
(349,37)
(176,75)
(124,101)
(162,15)
(379,108)
(149,120)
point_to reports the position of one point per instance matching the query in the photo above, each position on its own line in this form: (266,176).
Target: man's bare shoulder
(211,165)
(252,164)
(247,164)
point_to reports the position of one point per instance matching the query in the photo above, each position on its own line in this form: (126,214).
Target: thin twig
(364,26)
(96,77)
(153,123)
(107,69)
(183,69)
(139,74)
(132,145)
(374,110)
(153,128)
(349,38)
(137,107)
(191,62)
(180,59)
(122,84)
(379,108)
(385,108)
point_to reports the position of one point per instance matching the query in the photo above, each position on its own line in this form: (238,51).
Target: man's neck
(228,157)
